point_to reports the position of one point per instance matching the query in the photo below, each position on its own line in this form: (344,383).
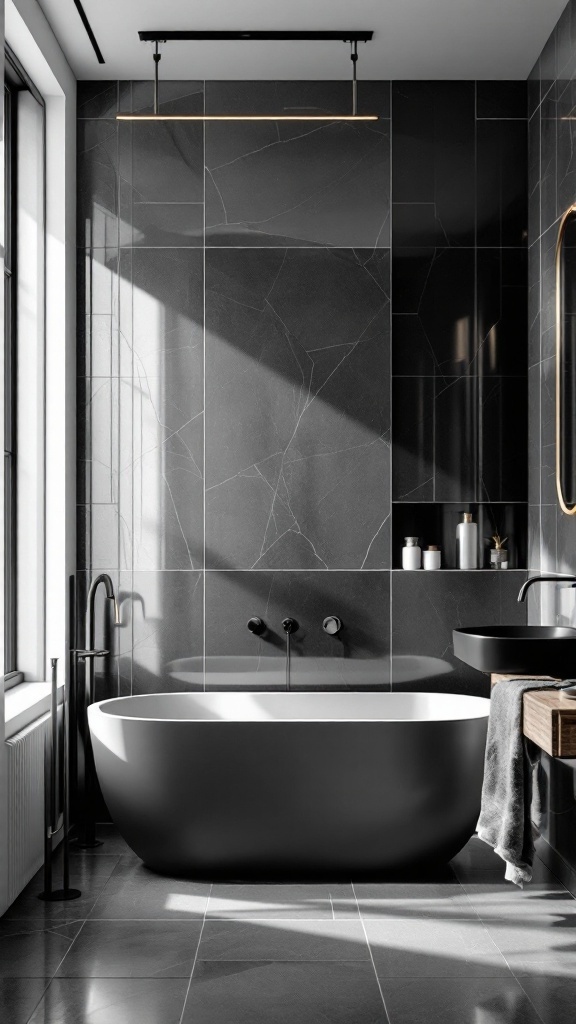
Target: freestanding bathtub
(291,785)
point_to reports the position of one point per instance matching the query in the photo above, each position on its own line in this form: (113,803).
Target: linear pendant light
(161,37)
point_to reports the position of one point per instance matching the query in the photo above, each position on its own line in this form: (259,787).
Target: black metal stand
(51,788)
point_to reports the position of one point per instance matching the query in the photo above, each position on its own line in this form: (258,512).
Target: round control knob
(256,625)
(332,625)
(290,625)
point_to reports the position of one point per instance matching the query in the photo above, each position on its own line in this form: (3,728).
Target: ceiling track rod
(184,36)
(89,31)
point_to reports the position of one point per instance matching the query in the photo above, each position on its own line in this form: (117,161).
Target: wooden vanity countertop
(549,720)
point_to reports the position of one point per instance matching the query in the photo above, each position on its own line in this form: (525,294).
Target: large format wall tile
(427,606)
(282,183)
(433,163)
(297,393)
(97,193)
(167,613)
(358,658)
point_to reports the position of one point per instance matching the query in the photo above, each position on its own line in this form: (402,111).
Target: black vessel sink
(527,650)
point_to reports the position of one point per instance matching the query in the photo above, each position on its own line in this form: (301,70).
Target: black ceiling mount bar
(168,36)
(89,31)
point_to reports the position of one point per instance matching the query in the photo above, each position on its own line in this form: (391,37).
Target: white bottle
(432,557)
(467,543)
(411,554)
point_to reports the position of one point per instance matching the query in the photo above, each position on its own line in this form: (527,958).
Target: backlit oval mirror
(566,362)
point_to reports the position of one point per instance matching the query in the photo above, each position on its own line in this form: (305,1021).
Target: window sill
(25,703)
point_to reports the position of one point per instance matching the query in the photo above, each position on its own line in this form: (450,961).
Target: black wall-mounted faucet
(544,579)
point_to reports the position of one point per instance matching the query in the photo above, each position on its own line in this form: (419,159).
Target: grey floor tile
(112,1001)
(536,946)
(133,949)
(279,901)
(90,876)
(18,997)
(284,993)
(554,997)
(407,899)
(133,891)
(450,1001)
(112,844)
(503,901)
(429,948)
(296,939)
(34,949)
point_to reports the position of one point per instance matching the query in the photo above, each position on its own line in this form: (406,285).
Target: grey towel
(505,822)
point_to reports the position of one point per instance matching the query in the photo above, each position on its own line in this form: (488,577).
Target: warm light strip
(246,117)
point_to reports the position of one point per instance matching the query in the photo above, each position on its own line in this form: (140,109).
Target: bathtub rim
(481,704)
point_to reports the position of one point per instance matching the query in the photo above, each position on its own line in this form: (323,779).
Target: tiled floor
(459,948)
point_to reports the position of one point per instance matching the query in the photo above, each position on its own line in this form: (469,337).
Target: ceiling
(413,39)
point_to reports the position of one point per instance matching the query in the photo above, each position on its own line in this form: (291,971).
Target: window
(23,320)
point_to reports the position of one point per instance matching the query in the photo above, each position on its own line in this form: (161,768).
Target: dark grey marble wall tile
(175,97)
(501,311)
(548,431)
(533,540)
(433,163)
(565,544)
(413,438)
(548,291)
(298,409)
(504,457)
(534,435)
(97,183)
(436,288)
(534,354)
(427,606)
(167,615)
(534,184)
(275,183)
(501,99)
(501,188)
(97,450)
(548,64)
(167,224)
(356,659)
(548,549)
(549,207)
(96,99)
(166,161)
(97,531)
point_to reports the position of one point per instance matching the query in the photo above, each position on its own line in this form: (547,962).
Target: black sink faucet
(544,579)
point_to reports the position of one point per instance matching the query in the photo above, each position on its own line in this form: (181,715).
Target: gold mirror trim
(570,212)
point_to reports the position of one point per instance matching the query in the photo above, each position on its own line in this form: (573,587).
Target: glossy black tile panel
(413,438)
(501,99)
(501,189)
(436,288)
(96,99)
(503,456)
(274,183)
(427,606)
(501,311)
(175,97)
(298,414)
(167,611)
(97,175)
(356,659)
(433,163)
(457,428)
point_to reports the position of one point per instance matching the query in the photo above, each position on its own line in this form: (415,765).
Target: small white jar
(411,554)
(432,557)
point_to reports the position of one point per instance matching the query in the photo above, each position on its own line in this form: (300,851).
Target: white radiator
(25,757)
